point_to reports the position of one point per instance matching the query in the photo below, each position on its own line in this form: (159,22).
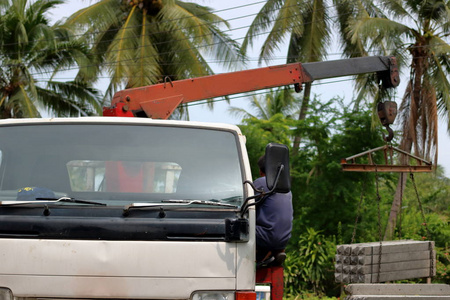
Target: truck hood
(116,269)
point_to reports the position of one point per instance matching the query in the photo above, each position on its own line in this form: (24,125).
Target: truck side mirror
(277,168)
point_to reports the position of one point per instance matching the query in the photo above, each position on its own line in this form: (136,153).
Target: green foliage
(324,194)
(261,132)
(310,296)
(433,193)
(326,198)
(443,265)
(277,101)
(309,264)
(30,48)
(433,190)
(413,226)
(140,43)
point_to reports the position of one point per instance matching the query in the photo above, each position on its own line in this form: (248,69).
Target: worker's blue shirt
(273,219)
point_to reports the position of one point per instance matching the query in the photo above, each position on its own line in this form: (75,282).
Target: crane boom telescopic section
(158,101)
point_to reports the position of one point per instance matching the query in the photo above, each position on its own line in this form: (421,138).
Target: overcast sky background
(240,15)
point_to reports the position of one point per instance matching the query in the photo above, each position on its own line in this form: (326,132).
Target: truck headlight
(212,295)
(6,294)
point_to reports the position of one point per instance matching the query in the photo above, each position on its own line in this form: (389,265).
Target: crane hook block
(387,111)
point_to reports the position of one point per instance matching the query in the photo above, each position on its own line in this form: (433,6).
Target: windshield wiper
(49,201)
(206,202)
(231,199)
(173,202)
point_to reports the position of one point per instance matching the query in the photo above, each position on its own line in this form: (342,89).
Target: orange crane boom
(158,101)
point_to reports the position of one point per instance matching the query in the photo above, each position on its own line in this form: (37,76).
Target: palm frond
(432,10)
(289,20)
(147,69)
(22,104)
(396,9)
(180,58)
(261,23)
(4,5)
(42,36)
(41,7)
(18,8)
(31,46)
(311,44)
(67,98)
(226,50)
(374,27)
(347,13)
(120,53)
(439,46)
(273,102)
(101,15)
(21,35)
(194,12)
(240,112)
(439,77)
(446,20)
(200,26)
(99,49)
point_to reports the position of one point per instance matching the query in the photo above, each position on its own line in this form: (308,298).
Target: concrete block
(398,289)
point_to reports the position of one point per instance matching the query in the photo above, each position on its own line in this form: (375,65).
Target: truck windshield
(119,164)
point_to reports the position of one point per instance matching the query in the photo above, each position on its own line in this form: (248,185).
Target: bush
(442,265)
(309,265)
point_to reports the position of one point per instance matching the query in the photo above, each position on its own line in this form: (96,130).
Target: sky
(240,15)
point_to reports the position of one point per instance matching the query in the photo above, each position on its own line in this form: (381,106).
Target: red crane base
(274,276)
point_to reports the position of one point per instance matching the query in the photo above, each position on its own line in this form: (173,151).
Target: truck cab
(134,208)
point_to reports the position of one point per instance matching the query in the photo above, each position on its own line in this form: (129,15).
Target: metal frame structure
(349,164)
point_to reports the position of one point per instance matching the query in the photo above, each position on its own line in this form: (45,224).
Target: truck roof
(121,120)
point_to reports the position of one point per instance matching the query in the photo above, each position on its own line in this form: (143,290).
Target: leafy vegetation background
(326,198)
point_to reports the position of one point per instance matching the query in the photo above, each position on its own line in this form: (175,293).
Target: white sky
(241,18)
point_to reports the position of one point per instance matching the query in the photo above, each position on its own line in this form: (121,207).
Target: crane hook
(390,135)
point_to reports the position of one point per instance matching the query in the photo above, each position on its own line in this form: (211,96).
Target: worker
(274,218)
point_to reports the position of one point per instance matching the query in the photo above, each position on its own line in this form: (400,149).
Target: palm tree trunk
(411,118)
(302,116)
(395,208)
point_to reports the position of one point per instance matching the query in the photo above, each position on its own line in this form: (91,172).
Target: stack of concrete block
(397,291)
(405,259)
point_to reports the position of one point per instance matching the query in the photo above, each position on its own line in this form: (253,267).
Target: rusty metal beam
(350,164)
(386,168)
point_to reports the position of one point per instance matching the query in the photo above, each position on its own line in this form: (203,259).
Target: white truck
(124,208)
(137,208)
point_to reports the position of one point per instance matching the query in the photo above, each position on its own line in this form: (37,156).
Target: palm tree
(423,28)
(30,48)
(308,25)
(143,42)
(279,101)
